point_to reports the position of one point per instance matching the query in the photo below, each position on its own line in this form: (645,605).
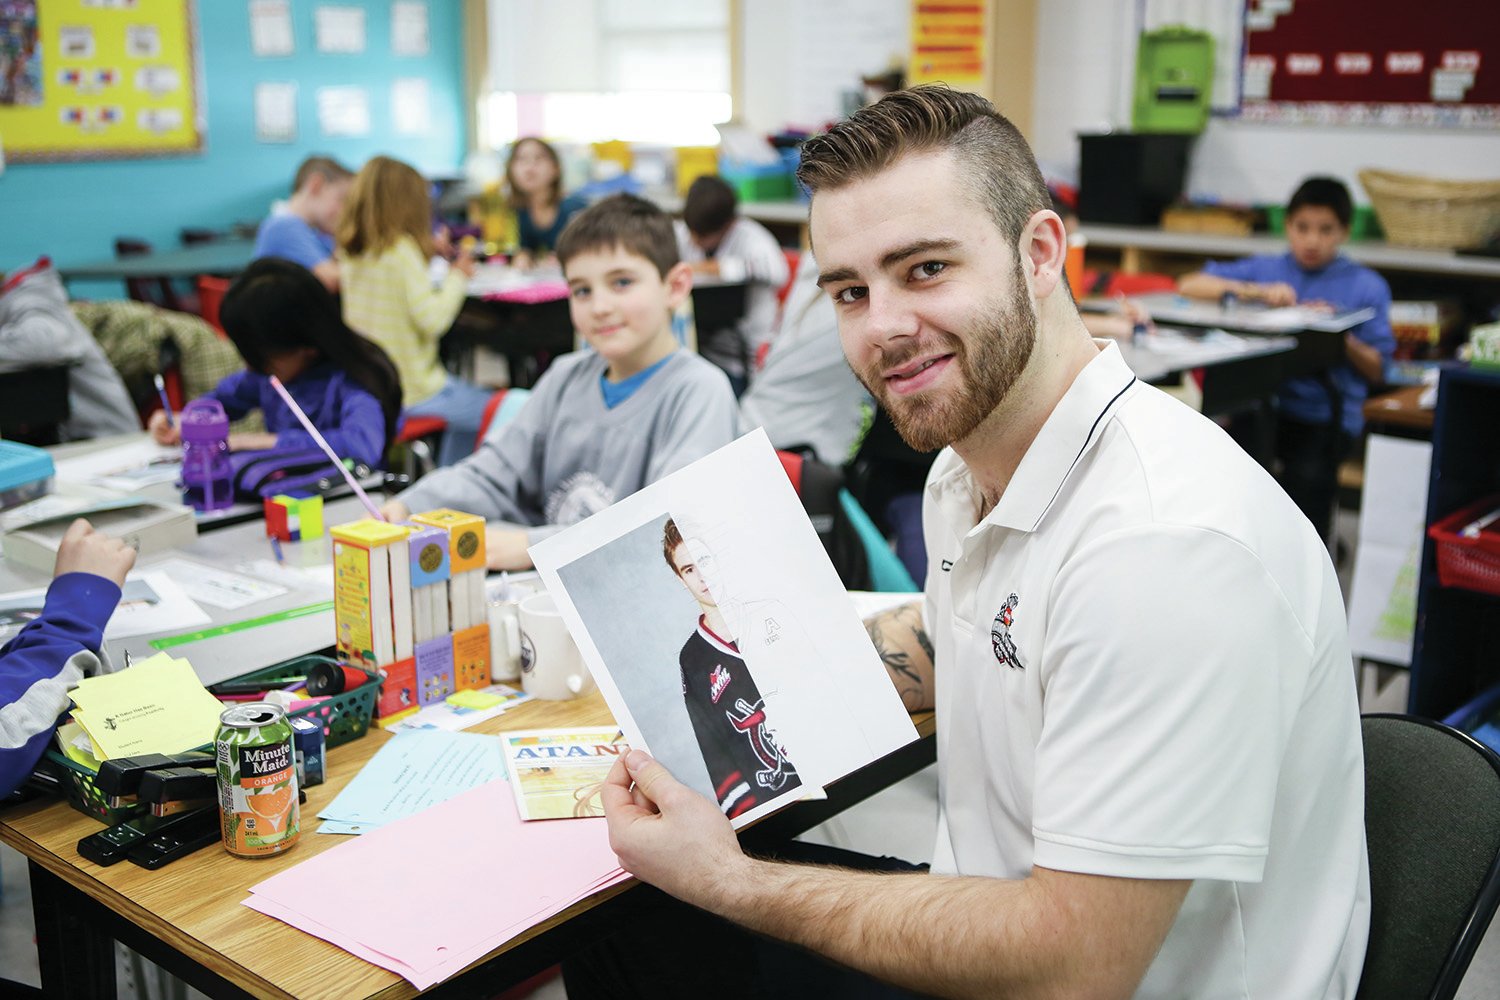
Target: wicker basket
(1418,211)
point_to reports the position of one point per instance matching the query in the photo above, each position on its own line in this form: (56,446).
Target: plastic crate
(1480,718)
(345,717)
(1468,563)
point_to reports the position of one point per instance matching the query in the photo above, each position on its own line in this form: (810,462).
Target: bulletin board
(98,79)
(1375,62)
(948,43)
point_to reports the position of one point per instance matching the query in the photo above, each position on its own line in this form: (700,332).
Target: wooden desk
(225,258)
(188,919)
(1399,409)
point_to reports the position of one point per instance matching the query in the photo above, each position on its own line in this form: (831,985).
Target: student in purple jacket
(286,324)
(59,648)
(1312,439)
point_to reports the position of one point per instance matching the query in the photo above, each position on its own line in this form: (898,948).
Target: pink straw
(338,462)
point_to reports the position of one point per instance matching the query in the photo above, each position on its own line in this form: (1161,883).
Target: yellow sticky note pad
(156,706)
(474,699)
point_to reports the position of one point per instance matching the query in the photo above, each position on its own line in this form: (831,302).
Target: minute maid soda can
(257,781)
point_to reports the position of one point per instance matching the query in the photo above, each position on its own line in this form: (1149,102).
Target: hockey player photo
(746,762)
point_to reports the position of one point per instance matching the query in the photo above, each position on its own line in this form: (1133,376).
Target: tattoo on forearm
(905,624)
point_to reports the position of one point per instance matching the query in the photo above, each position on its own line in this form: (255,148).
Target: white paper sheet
(827,703)
(150,602)
(216,587)
(409,106)
(271,28)
(340,29)
(343,111)
(275,112)
(409,28)
(1392,523)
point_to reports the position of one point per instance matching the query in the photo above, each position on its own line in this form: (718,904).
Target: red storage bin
(1470,563)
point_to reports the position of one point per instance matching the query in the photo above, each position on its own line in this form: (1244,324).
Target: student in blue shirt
(1310,440)
(533,177)
(59,647)
(303,231)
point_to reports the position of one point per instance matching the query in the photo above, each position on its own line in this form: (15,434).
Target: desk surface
(1374,253)
(194,904)
(1400,408)
(1171,352)
(221,257)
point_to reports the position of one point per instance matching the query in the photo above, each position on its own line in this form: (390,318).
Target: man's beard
(1001,343)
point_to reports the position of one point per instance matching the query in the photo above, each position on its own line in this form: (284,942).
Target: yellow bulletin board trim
(117,79)
(949,43)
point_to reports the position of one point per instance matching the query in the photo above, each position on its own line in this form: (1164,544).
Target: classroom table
(225,258)
(1148,248)
(187,917)
(1401,410)
(525,315)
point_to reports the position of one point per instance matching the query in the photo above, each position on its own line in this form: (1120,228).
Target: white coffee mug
(552,668)
(505,631)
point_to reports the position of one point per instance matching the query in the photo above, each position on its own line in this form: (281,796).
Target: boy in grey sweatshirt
(600,424)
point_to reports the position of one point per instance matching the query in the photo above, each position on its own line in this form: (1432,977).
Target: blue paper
(413,771)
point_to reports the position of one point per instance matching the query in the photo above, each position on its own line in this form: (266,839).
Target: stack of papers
(411,773)
(157,706)
(445,915)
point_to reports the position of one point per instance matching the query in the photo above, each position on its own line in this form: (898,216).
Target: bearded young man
(1152,781)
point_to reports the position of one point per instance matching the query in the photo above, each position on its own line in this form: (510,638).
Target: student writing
(59,648)
(385,240)
(1311,439)
(285,323)
(603,423)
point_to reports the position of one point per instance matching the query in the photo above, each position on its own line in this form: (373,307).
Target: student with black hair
(286,324)
(1311,440)
(716,240)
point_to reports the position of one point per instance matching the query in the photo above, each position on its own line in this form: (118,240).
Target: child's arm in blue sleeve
(238,393)
(360,433)
(40,664)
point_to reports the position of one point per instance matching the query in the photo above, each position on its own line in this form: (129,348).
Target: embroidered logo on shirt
(717,682)
(1000,640)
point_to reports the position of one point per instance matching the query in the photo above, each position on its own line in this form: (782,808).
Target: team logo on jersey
(1000,640)
(751,720)
(717,682)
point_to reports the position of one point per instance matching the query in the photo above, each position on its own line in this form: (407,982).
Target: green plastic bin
(1174,80)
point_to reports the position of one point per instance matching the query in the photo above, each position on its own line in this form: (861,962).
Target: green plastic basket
(345,717)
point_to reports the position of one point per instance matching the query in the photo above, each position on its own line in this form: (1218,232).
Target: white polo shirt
(1143,671)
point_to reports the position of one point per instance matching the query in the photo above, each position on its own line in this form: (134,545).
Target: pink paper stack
(409,897)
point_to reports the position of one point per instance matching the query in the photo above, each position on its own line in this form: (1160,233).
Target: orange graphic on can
(258,808)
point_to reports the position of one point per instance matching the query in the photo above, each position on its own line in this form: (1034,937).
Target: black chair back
(1432,823)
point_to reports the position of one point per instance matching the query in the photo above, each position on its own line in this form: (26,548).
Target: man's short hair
(632,224)
(1323,192)
(670,539)
(325,167)
(929,118)
(710,205)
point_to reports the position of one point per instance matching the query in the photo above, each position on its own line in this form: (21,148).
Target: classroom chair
(211,292)
(501,409)
(1432,823)
(155,290)
(415,445)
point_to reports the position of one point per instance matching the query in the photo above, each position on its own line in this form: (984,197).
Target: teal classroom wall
(74,211)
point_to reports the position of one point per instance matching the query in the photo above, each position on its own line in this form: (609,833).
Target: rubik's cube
(290,519)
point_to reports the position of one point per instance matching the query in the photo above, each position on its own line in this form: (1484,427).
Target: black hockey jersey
(746,763)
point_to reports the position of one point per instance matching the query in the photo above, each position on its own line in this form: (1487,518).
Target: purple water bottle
(206,476)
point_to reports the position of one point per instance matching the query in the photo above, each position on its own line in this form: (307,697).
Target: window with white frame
(593,70)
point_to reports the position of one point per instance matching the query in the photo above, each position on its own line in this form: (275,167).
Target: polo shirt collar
(1073,427)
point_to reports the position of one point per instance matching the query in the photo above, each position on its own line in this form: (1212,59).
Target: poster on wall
(275,112)
(20,55)
(271,28)
(409,28)
(1367,62)
(948,43)
(99,79)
